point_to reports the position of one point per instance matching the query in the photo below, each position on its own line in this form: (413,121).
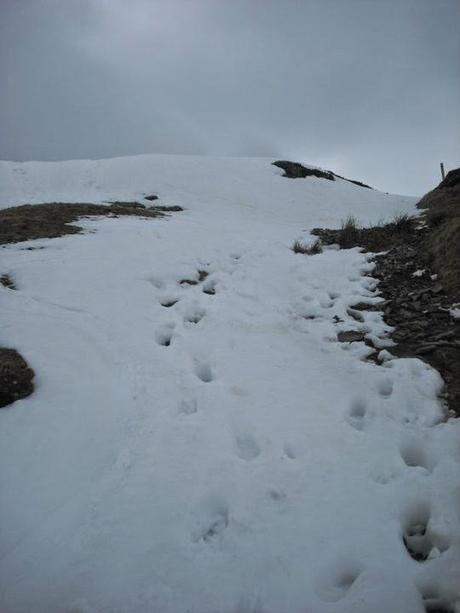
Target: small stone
(350,336)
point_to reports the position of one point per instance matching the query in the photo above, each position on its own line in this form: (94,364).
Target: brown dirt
(27,222)
(15,377)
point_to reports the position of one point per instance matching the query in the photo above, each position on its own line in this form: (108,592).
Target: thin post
(443,174)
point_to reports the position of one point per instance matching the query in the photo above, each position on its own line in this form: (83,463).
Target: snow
(223,453)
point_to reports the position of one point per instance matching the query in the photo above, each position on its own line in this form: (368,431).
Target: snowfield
(212,447)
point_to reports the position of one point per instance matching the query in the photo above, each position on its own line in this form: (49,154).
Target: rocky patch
(294,170)
(417,304)
(15,377)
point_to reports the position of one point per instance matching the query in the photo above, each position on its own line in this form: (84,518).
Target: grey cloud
(371,86)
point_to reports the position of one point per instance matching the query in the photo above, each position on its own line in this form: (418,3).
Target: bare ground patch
(50,220)
(15,377)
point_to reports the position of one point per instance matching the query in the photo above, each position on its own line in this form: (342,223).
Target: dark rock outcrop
(15,377)
(294,170)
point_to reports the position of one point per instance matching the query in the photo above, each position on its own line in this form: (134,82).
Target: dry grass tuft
(315,248)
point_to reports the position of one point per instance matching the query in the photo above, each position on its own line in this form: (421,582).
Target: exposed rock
(15,377)
(294,170)
(365,306)
(416,306)
(350,336)
(152,197)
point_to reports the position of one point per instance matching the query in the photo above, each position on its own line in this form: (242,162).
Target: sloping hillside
(442,208)
(198,439)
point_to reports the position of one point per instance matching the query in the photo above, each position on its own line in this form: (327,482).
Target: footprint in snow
(415,455)
(214,517)
(188,406)
(357,413)
(326,303)
(157,282)
(433,600)
(385,475)
(209,287)
(335,585)
(194,314)
(168,301)
(276,494)
(163,335)
(290,451)
(204,372)
(421,542)
(199,278)
(385,387)
(247,447)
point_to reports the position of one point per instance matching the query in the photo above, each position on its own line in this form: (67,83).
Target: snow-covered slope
(224,454)
(229,187)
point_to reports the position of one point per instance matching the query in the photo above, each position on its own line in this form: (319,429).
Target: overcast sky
(367,88)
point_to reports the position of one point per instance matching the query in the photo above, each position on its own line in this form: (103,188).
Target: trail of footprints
(193,315)
(214,510)
(419,537)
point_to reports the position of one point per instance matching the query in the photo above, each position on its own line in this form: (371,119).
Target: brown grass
(299,247)
(27,222)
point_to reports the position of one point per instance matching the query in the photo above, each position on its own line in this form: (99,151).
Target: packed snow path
(198,440)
